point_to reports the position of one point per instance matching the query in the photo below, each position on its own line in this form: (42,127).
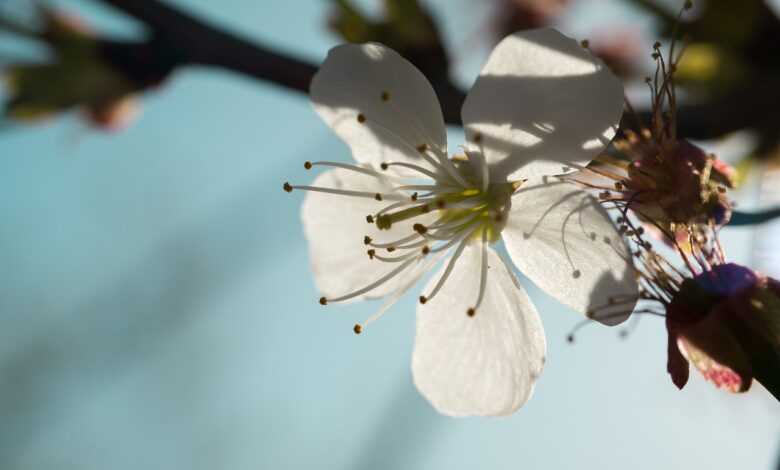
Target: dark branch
(753,218)
(191,41)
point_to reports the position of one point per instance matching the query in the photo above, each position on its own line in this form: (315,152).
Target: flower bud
(726,321)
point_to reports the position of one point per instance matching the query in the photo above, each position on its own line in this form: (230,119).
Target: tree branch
(195,42)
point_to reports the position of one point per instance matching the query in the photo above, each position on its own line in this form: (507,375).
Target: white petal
(400,108)
(481,365)
(542,102)
(335,226)
(563,240)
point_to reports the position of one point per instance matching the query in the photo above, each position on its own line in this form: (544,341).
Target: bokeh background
(158,311)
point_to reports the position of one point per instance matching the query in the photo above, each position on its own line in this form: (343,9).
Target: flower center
(458,207)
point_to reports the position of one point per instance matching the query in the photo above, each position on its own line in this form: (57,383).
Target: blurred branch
(753,218)
(195,42)
(192,42)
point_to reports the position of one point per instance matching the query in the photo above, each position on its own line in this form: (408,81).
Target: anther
(367,240)
(656,45)
(384,166)
(477,138)
(361,118)
(423,299)
(287,187)
(357,328)
(390,249)
(576,274)
(371,253)
(307,165)
(426,249)
(385,96)
(378,197)
(585,43)
(414,197)
(471,312)
(618,186)
(422,148)
(370,219)
(419,228)
(570,339)
(323,301)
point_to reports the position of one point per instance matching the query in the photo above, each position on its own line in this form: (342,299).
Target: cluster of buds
(88,71)
(677,189)
(721,317)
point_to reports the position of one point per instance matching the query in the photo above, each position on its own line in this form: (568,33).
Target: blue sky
(159,311)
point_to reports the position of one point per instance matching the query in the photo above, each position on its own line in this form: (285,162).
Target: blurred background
(157,306)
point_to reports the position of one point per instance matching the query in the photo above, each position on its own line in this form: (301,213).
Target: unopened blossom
(542,106)
(721,317)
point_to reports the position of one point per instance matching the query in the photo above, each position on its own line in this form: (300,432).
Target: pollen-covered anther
(378,197)
(471,311)
(358,328)
(384,166)
(426,249)
(422,148)
(619,186)
(371,253)
(419,228)
(367,240)
(390,249)
(414,197)
(361,118)
(477,138)
(287,187)
(307,165)
(576,274)
(423,299)
(385,96)
(370,219)
(585,43)
(323,301)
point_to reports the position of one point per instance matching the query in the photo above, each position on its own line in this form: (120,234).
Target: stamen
(393,298)
(447,271)
(482,275)
(397,259)
(395,243)
(374,284)
(411,166)
(345,166)
(344,192)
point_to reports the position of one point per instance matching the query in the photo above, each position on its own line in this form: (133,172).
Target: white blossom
(542,106)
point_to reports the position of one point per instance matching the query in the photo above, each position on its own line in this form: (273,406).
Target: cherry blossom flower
(542,106)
